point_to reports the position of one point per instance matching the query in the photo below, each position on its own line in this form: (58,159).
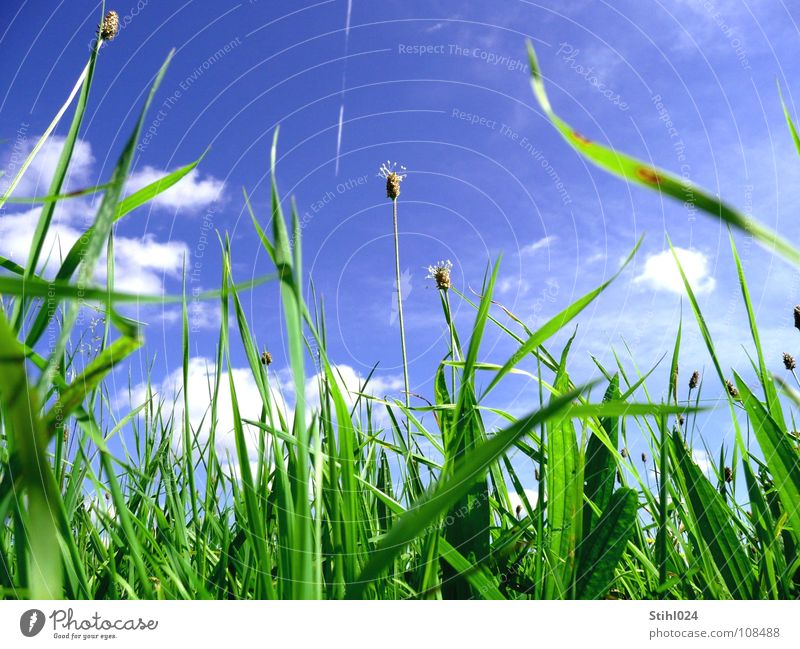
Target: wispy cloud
(540,244)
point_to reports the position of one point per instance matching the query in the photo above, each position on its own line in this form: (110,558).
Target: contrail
(347,24)
(344,83)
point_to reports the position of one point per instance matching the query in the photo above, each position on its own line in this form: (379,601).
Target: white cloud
(140,264)
(16,235)
(544,242)
(201,374)
(191,193)
(200,386)
(594,258)
(661,272)
(37,178)
(351,382)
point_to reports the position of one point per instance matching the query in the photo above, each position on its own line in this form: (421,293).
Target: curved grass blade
(641,173)
(789,122)
(54,198)
(554,325)
(764,376)
(74,394)
(83,83)
(64,291)
(483,585)
(43,224)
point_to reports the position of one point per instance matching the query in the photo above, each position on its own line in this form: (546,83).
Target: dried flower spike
(644,458)
(109,28)
(728,475)
(788,361)
(389,171)
(440,272)
(694,381)
(266,358)
(797,317)
(624,452)
(732,389)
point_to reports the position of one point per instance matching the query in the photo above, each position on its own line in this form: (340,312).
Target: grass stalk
(399,289)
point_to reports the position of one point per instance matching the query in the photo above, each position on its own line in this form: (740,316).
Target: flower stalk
(393,180)
(400,305)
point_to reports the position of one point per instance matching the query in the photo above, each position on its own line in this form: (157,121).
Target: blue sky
(441,87)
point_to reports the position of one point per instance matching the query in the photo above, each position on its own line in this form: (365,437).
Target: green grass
(336,506)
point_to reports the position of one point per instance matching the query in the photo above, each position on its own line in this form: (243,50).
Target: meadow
(423,504)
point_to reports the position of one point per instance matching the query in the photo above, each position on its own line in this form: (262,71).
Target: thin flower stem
(453,352)
(400,314)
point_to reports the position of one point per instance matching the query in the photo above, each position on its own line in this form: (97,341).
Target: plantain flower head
(110,26)
(440,273)
(394,175)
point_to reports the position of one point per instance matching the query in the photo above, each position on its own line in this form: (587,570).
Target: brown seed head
(440,273)
(788,361)
(732,389)
(728,475)
(624,452)
(388,171)
(110,26)
(266,358)
(393,186)
(694,381)
(644,458)
(797,317)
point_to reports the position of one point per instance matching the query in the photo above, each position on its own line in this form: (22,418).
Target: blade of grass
(641,173)
(555,324)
